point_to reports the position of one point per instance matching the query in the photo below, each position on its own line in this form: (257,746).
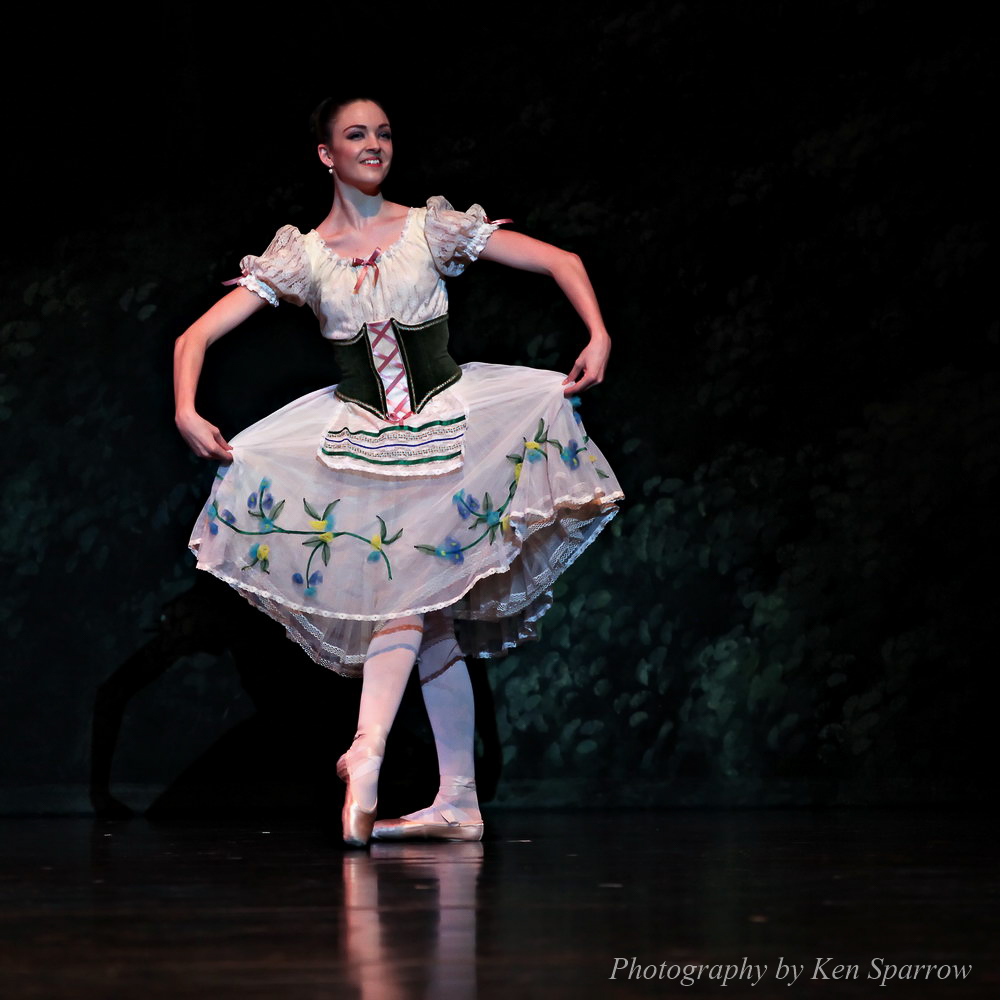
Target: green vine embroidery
(493,520)
(261,505)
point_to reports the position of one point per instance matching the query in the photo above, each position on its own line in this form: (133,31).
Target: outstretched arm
(527,254)
(204,438)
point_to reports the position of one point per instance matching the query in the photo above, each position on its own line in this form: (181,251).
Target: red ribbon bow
(364,265)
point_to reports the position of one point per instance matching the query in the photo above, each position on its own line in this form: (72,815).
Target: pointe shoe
(357,822)
(442,821)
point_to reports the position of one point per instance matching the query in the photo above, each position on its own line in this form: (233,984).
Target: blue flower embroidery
(261,506)
(452,549)
(571,454)
(497,521)
(575,403)
(466,505)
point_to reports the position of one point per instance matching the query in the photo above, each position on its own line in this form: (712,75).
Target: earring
(331,168)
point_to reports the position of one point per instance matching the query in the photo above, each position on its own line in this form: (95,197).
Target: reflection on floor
(585,904)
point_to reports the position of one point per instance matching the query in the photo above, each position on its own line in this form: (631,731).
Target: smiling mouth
(372,161)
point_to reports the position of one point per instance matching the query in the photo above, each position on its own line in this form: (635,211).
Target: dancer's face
(360,145)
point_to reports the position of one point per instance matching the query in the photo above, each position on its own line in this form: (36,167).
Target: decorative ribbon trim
(396,628)
(389,649)
(364,265)
(389,464)
(252,284)
(437,673)
(391,430)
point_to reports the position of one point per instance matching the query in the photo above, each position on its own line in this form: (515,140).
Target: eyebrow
(349,127)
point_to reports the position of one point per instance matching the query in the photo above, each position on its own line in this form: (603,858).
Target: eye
(355,135)
(386,134)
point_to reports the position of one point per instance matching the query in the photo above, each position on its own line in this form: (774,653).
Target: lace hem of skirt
(520,630)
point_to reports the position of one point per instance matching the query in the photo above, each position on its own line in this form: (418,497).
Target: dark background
(786,210)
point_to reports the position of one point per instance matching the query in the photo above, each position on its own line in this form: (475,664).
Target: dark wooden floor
(549,905)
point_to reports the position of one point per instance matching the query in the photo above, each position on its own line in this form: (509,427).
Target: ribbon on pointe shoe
(445,819)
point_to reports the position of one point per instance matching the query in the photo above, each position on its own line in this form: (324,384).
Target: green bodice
(424,352)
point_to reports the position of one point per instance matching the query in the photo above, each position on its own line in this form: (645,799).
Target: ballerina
(371,515)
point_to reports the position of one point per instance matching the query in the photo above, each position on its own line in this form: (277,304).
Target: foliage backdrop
(784,209)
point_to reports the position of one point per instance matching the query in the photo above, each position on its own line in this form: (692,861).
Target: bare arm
(527,254)
(204,438)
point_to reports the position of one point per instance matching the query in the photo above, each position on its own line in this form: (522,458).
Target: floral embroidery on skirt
(331,551)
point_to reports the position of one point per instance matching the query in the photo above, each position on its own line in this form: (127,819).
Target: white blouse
(404,281)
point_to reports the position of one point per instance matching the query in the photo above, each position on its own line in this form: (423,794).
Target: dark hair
(322,118)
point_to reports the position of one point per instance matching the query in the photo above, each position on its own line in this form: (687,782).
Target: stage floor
(550,904)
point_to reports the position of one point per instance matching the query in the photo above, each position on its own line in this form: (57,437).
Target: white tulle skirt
(332,552)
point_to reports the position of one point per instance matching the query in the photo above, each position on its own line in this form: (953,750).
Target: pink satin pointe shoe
(357,822)
(444,820)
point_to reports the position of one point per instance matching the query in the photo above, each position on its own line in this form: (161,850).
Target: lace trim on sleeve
(455,239)
(249,281)
(282,271)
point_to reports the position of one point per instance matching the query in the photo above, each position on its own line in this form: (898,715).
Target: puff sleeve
(282,271)
(456,238)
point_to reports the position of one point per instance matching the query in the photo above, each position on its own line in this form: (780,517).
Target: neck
(354,206)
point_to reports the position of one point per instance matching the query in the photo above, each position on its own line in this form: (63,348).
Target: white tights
(447,691)
(388,663)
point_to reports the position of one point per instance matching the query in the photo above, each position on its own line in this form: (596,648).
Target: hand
(204,439)
(589,367)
